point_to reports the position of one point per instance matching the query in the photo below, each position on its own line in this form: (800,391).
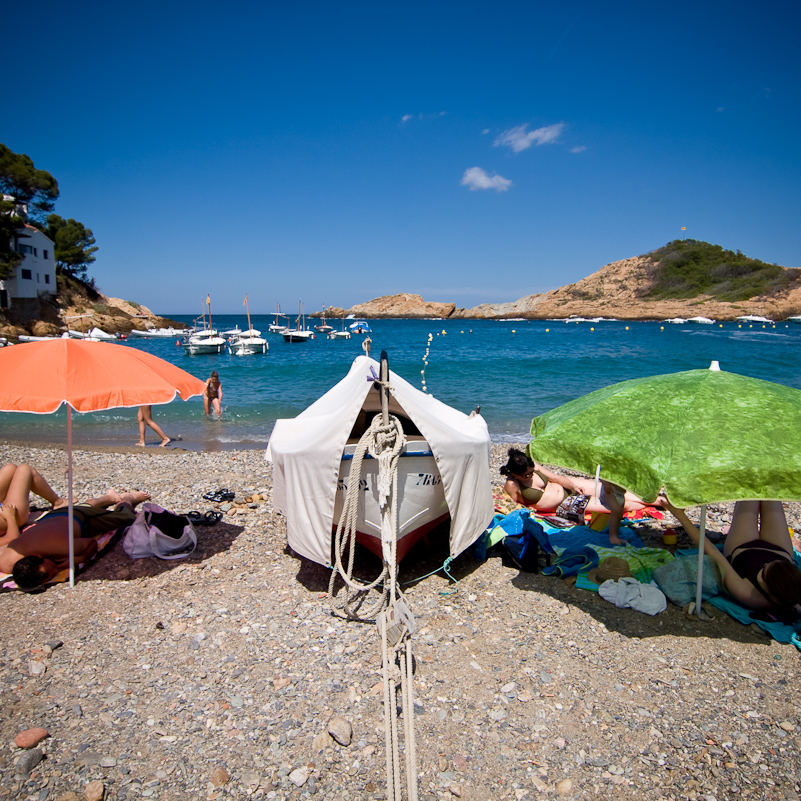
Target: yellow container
(599,521)
(669,538)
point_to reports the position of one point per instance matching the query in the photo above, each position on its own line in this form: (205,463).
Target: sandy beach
(217,676)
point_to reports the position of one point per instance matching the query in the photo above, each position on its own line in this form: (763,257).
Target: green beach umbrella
(700,437)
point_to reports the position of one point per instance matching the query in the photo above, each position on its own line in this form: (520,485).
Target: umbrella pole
(69,496)
(701,541)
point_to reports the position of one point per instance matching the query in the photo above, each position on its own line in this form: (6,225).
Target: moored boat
(360,327)
(701,320)
(247,343)
(443,468)
(160,333)
(299,333)
(754,318)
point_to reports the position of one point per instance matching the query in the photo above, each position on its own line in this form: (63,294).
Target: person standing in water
(212,397)
(145,418)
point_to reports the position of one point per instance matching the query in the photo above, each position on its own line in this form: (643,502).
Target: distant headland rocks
(623,290)
(620,290)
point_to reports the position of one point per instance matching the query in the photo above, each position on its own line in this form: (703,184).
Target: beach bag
(523,540)
(157,532)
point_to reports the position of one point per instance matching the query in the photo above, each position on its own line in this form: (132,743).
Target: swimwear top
(533,495)
(750,557)
(63,512)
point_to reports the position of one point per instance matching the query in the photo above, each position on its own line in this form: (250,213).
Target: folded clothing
(628,593)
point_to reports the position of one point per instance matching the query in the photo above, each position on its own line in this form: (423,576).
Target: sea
(513,370)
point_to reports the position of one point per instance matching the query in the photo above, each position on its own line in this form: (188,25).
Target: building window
(35,253)
(45,254)
(25,249)
(38,279)
(47,278)
(3,299)
(26,274)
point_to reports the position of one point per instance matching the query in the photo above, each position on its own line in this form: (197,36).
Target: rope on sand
(384,440)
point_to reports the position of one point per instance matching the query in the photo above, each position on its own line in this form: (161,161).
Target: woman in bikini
(757,560)
(532,485)
(212,397)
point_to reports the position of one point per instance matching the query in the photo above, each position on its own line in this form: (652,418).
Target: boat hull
(248,347)
(421,498)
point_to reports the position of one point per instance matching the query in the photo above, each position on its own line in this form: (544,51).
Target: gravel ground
(216,677)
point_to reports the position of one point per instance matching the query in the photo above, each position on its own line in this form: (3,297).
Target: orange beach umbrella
(88,376)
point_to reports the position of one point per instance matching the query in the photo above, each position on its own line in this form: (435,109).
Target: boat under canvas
(443,473)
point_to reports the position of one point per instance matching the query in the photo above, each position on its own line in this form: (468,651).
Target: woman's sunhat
(612,568)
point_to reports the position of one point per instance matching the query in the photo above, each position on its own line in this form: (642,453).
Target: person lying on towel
(757,560)
(532,485)
(37,553)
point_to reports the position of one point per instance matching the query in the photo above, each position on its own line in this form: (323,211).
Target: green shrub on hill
(686,268)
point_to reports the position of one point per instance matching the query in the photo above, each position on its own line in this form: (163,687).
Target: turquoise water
(513,370)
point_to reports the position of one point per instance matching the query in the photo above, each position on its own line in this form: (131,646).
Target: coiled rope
(384,441)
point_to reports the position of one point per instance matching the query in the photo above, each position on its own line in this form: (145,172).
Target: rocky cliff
(616,290)
(79,307)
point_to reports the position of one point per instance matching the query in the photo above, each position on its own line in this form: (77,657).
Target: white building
(36,275)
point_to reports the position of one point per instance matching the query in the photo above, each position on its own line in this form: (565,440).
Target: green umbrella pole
(701,543)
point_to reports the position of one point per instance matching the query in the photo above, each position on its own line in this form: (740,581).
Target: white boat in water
(343,334)
(249,342)
(675,320)
(160,333)
(700,320)
(299,333)
(796,318)
(202,343)
(323,327)
(754,318)
(442,474)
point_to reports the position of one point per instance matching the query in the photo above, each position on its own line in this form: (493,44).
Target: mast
(247,306)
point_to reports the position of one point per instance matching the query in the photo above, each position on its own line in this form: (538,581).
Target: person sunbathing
(757,561)
(41,550)
(16,484)
(532,485)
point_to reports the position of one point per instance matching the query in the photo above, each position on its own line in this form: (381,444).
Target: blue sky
(467,152)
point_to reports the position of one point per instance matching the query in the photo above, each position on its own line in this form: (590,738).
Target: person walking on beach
(212,397)
(16,483)
(145,418)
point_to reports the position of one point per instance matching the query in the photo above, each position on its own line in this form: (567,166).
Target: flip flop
(212,517)
(220,495)
(195,517)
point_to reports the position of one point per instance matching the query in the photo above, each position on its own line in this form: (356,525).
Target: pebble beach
(226,676)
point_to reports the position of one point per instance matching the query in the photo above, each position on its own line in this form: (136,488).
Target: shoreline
(216,676)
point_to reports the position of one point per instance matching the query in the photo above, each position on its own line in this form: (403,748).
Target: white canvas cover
(306,452)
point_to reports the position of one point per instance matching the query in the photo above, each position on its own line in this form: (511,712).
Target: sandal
(212,517)
(220,495)
(195,517)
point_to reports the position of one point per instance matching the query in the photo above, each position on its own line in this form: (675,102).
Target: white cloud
(578,149)
(406,117)
(485,132)
(519,138)
(476,178)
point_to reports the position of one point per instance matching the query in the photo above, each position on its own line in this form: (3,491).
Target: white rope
(384,443)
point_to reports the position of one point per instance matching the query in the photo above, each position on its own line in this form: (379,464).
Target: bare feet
(165,441)
(615,540)
(141,444)
(60,502)
(134,498)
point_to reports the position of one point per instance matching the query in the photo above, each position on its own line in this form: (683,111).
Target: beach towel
(628,593)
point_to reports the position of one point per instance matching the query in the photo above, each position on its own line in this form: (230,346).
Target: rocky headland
(620,289)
